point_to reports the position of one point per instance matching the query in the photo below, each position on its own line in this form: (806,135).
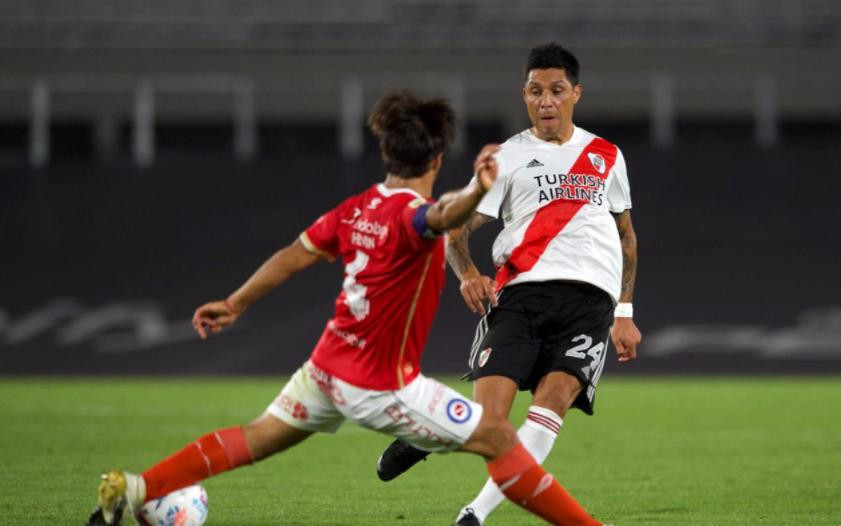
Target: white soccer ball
(184,507)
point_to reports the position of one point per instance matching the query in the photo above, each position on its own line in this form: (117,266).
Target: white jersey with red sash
(556,202)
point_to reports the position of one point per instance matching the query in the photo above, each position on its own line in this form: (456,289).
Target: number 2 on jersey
(355,292)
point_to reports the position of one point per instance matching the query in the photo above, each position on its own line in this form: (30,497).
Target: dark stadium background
(152,154)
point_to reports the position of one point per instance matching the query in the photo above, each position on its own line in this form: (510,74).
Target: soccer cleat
(97,518)
(112,497)
(468,518)
(120,494)
(397,458)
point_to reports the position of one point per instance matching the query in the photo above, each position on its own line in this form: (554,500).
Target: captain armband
(420,225)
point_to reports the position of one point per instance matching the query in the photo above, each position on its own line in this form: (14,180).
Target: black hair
(553,55)
(412,131)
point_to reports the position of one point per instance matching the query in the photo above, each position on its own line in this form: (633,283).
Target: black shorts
(542,327)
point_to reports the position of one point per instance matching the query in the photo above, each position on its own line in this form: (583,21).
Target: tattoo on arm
(458,249)
(629,255)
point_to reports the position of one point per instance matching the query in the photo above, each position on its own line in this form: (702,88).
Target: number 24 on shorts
(583,349)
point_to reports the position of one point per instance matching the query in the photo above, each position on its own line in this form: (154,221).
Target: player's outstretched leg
(521,478)
(122,493)
(209,455)
(397,458)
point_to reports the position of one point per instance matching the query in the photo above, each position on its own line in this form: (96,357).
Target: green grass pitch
(659,451)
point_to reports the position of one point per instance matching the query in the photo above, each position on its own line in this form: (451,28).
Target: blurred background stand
(153,153)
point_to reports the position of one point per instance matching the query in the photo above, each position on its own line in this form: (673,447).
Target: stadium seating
(410,24)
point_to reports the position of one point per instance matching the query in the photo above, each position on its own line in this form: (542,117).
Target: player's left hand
(626,337)
(213,317)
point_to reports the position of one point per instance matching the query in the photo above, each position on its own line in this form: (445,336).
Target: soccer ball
(184,507)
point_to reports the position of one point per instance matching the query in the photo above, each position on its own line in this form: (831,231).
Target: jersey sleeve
(321,237)
(492,201)
(619,191)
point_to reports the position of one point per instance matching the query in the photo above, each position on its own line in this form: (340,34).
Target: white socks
(538,435)
(135,491)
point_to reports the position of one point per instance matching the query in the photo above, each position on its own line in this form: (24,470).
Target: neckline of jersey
(574,138)
(388,192)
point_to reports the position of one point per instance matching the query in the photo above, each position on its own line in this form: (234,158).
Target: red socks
(516,473)
(210,455)
(526,484)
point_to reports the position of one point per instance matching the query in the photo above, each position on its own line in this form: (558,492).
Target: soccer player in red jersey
(366,365)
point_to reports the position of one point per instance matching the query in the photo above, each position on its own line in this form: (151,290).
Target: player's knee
(493,437)
(557,392)
(495,394)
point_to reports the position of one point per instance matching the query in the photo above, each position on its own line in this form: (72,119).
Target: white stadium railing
(355,94)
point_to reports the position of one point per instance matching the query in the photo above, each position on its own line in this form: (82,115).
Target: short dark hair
(553,55)
(412,131)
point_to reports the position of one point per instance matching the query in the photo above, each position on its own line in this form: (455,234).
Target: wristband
(624,310)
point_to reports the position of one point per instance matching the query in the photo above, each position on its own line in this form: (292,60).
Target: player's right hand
(485,166)
(213,317)
(626,338)
(476,290)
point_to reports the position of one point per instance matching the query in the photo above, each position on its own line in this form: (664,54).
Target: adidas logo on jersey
(533,163)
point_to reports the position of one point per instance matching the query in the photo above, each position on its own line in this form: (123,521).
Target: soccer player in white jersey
(566,265)
(366,365)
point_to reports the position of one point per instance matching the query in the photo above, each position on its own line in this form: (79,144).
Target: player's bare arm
(454,208)
(214,316)
(474,287)
(625,334)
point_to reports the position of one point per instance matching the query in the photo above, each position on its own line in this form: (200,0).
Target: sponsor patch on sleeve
(459,411)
